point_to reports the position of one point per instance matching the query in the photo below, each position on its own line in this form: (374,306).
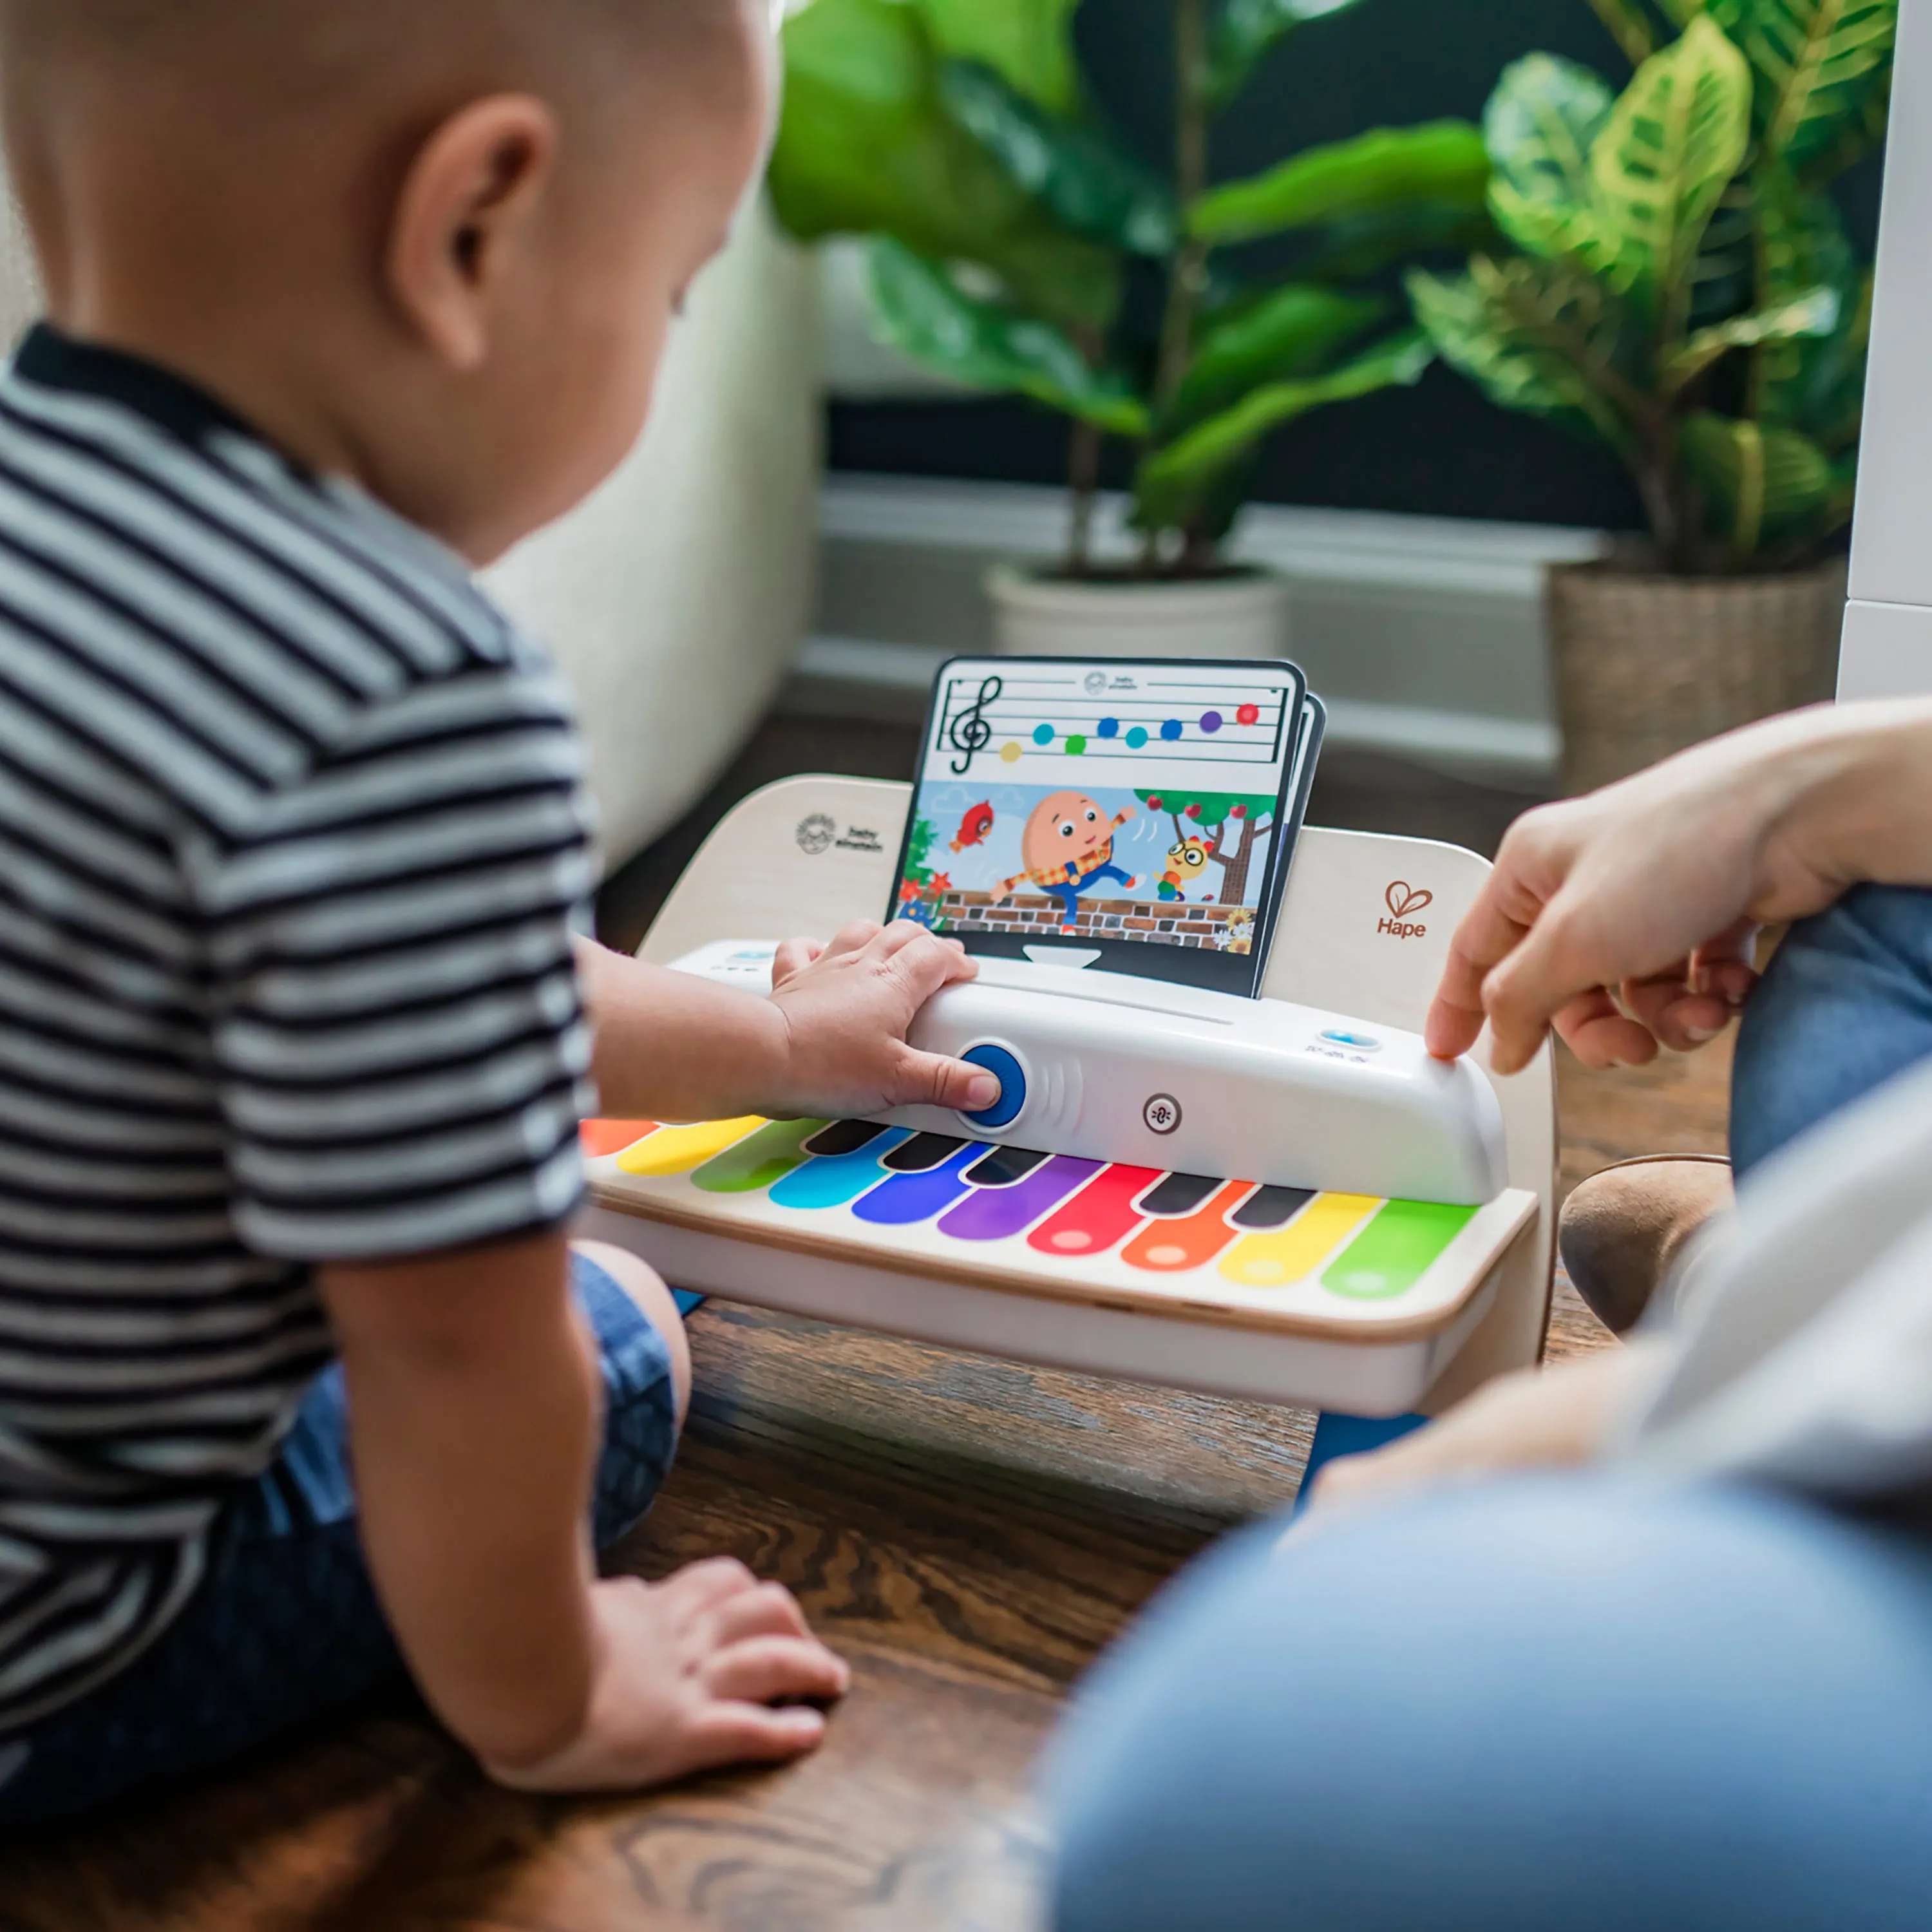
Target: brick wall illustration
(1152,922)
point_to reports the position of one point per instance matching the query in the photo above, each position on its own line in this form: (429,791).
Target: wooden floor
(968,1532)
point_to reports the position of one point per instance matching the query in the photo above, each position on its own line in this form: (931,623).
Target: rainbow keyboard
(935,1208)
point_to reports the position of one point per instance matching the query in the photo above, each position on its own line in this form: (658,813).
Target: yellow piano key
(1295,1252)
(680,1149)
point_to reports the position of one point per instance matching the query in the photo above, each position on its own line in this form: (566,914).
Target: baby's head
(436,245)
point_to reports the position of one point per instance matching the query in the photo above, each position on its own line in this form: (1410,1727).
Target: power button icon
(1161,1114)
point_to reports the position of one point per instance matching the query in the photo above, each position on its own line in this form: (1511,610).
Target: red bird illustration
(974,827)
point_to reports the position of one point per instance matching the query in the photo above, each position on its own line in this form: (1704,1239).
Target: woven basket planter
(1645,664)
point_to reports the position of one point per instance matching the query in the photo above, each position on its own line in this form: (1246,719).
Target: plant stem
(1627,28)
(1083,480)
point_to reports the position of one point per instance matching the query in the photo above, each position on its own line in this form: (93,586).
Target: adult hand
(1537,1418)
(1627,919)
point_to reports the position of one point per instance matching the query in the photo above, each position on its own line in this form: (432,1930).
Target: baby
(347,296)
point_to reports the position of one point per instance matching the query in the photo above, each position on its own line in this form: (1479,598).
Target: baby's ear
(463,222)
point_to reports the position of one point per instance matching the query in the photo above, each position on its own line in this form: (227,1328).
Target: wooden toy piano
(1097,1240)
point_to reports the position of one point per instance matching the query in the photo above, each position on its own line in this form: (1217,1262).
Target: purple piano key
(908,1197)
(992,1213)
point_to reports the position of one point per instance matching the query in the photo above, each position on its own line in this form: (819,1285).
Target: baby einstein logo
(1402,899)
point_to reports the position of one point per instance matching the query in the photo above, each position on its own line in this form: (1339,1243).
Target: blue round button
(1012,1077)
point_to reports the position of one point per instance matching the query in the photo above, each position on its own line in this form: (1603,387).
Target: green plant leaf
(1029,43)
(1086,181)
(1289,332)
(866,147)
(1811,385)
(1664,161)
(1174,480)
(924,313)
(1823,72)
(1540,127)
(1442,162)
(1540,337)
(1814,314)
(1763,483)
(1247,30)
(1363,245)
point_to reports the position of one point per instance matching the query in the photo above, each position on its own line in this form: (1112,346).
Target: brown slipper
(1622,1228)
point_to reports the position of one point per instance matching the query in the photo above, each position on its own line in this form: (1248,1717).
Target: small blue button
(997,1061)
(1362,1042)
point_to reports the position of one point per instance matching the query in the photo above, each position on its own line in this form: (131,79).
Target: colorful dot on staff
(1010,751)
(1110,727)
(1136,738)
(1210,722)
(1248,714)
(1043,734)
(1076,745)
(1170,730)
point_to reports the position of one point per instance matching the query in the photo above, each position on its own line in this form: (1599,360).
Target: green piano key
(760,1161)
(1395,1250)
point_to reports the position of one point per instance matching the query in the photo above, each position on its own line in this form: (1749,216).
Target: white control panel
(1110,1067)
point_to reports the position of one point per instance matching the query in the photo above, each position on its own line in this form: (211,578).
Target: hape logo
(1402,899)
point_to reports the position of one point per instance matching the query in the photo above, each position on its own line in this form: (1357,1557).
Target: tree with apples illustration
(1221,817)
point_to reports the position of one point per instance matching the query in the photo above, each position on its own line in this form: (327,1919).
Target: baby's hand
(847,1007)
(708,1668)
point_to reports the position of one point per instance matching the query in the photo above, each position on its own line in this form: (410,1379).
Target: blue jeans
(1555,1704)
(1570,1701)
(1845,1003)
(287,1626)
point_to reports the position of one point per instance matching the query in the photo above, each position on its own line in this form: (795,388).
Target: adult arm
(1653,890)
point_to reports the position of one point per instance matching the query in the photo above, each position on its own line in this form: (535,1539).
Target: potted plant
(1679,287)
(1006,224)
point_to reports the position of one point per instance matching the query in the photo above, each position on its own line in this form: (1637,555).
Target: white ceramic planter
(1244,616)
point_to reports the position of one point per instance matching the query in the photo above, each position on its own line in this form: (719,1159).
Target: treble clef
(970,732)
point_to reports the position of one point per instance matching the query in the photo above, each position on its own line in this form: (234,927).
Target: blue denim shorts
(287,1627)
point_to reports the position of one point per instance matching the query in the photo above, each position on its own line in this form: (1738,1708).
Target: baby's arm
(474,1400)
(829,1041)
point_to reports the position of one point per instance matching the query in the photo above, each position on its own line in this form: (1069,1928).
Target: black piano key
(1003,1166)
(1272,1207)
(1178,1194)
(923,1152)
(842,1137)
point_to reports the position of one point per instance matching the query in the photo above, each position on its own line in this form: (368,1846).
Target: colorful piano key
(1395,1250)
(761,1162)
(1295,1253)
(1099,1217)
(838,1179)
(993,1213)
(907,1199)
(678,1149)
(1062,1207)
(1175,1247)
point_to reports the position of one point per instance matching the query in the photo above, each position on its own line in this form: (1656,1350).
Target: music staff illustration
(1192,721)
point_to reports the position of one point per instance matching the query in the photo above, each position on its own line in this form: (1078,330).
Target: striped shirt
(292,835)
